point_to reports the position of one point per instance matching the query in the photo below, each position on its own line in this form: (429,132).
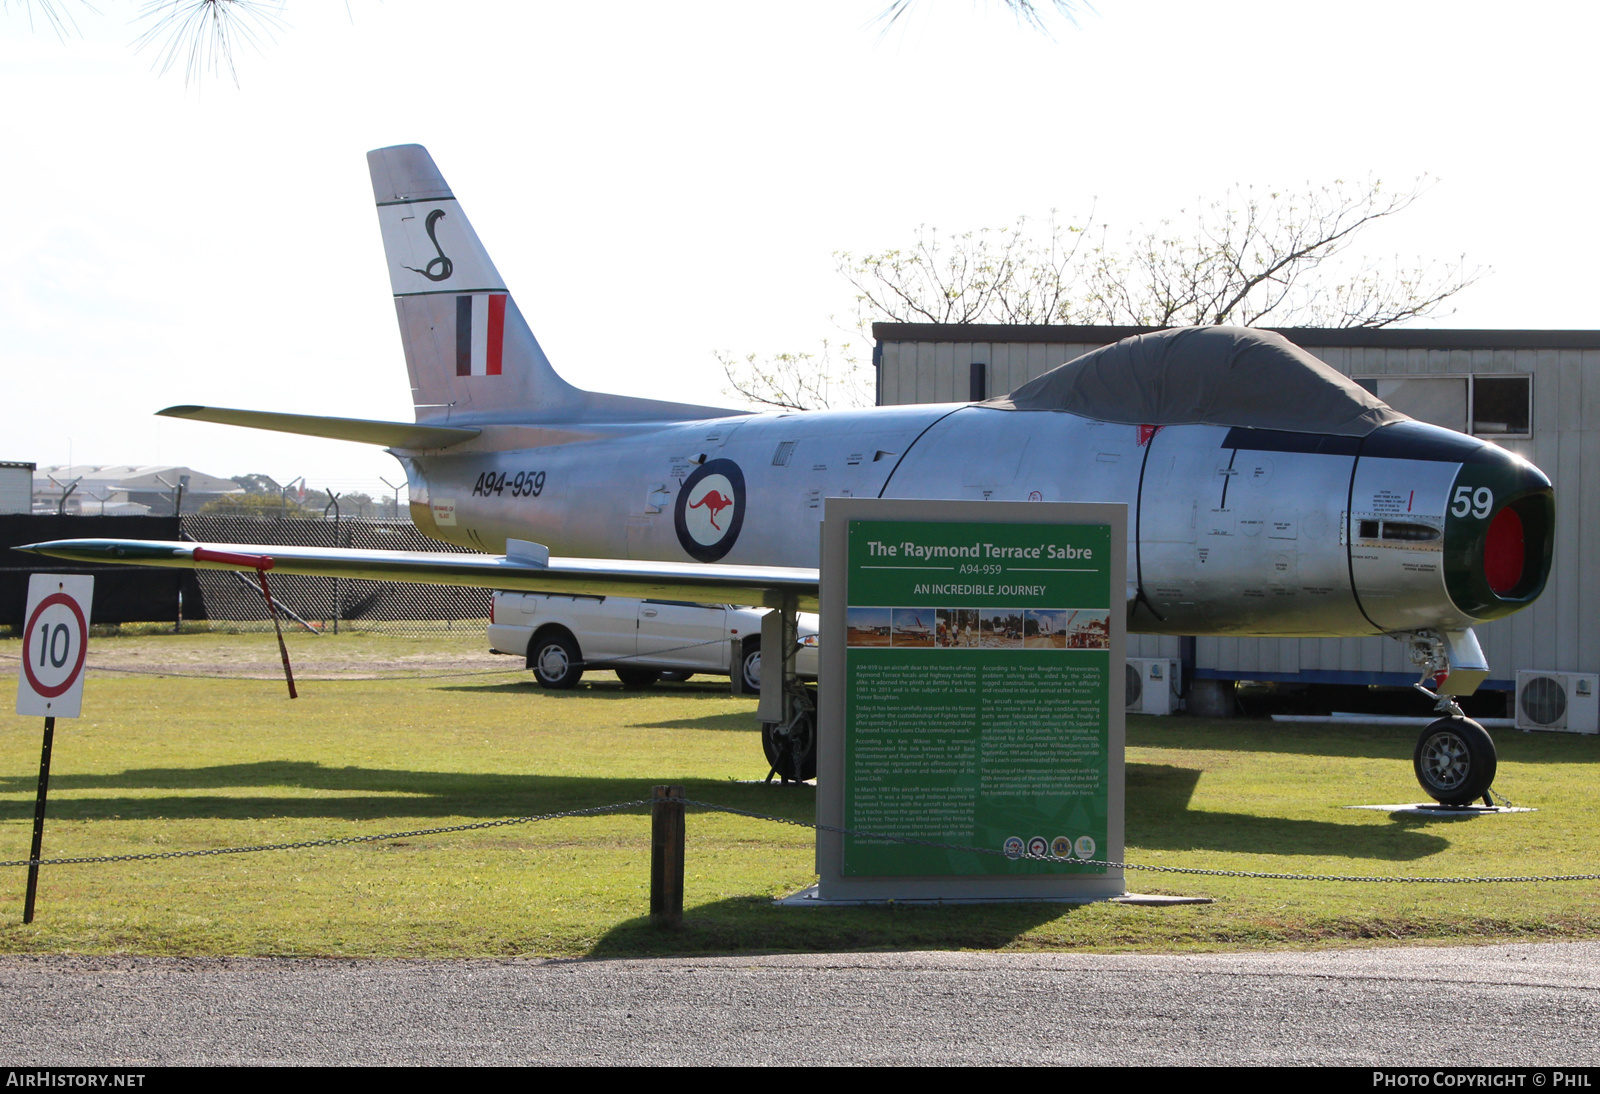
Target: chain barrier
(656,654)
(1132,865)
(857,833)
(332,841)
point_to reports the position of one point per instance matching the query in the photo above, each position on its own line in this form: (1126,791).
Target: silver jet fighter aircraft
(1268,495)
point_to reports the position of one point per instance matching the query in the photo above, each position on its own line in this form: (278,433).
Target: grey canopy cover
(1228,376)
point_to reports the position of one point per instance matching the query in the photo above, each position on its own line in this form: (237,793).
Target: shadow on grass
(754,925)
(737,721)
(365,794)
(1342,741)
(1159,816)
(601,690)
(1159,819)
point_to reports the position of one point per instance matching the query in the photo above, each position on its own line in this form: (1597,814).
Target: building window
(1502,405)
(1494,405)
(978,382)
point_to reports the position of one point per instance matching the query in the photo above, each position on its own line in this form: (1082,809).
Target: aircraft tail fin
(472,358)
(470,353)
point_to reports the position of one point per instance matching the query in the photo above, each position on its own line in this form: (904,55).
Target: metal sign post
(55,641)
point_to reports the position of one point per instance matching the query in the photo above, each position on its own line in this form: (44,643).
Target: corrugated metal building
(16,486)
(1535,392)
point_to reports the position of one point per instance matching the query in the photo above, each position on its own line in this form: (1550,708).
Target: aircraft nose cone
(1499,533)
(1499,517)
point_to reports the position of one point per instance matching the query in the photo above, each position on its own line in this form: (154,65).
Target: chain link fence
(329,603)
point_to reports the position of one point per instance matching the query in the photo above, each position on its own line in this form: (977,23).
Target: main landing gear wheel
(750,667)
(792,754)
(1455,761)
(555,661)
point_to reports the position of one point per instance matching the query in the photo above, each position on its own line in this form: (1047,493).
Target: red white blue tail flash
(480,333)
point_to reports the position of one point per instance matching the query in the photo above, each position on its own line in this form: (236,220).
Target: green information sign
(974,704)
(975,696)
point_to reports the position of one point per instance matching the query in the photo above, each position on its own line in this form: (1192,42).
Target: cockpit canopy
(1227,376)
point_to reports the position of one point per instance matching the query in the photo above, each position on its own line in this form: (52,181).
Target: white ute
(639,640)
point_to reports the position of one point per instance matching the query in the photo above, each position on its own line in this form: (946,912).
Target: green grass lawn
(173,763)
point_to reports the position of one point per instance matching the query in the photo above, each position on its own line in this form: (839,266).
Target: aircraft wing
(528,568)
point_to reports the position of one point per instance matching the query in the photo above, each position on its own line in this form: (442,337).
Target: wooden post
(666,856)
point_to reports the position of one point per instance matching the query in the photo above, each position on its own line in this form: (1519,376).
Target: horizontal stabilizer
(693,581)
(388,434)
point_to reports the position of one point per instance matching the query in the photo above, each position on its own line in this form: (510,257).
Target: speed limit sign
(55,638)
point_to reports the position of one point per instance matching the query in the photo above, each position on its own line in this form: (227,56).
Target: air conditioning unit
(1566,701)
(1153,686)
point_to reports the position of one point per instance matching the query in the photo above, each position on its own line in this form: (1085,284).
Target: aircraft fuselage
(1231,531)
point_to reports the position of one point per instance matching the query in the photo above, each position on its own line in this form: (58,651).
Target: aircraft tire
(792,755)
(555,660)
(750,667)
(638,679)
(1455,761)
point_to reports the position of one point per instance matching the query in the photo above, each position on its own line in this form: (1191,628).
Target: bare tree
(1252,258)
(1271,257)
(992,275)
(798,381)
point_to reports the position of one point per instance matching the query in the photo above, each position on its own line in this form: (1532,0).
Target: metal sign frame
(58,613)
(67,598)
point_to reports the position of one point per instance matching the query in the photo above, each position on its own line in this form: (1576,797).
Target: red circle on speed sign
(50,691)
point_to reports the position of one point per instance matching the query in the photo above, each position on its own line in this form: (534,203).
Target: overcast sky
(657,182)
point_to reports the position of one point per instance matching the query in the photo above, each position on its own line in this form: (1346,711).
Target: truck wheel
(555,660)
(793,755)
(1455,761)
(750,668)
(637,679)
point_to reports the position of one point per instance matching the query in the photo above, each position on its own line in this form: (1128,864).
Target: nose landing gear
(1455,758)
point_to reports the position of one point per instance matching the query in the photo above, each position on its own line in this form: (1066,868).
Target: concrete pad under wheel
(1434,809)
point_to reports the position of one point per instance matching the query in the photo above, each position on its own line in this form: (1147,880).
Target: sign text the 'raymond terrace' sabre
(977,696)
